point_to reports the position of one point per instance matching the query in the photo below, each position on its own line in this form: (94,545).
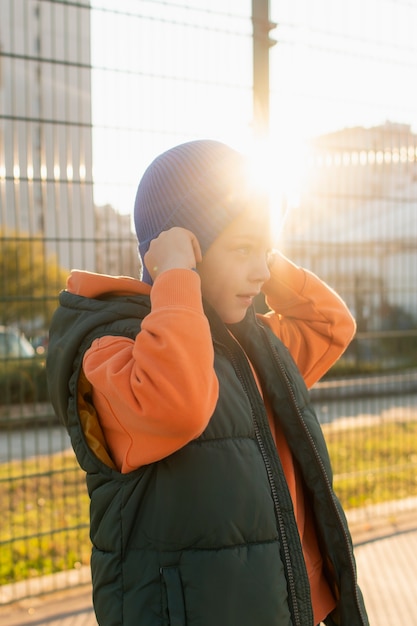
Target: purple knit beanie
(198,185)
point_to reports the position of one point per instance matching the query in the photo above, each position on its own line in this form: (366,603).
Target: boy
(210,483)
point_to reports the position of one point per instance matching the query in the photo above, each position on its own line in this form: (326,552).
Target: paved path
(386,556)
(387,573)
(66,608)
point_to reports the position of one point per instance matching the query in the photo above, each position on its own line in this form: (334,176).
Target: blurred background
(322,97)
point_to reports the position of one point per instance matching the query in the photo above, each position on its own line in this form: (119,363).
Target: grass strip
(45,506)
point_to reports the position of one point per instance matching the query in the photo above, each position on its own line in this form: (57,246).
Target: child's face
(235,266)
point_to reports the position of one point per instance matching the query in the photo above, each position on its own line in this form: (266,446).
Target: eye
(244,250)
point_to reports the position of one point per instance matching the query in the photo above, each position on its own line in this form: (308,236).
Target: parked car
(14,344)
(22,370)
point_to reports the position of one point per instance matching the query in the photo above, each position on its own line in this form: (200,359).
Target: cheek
(212,278)
(219,282)
(213,292)
(216,291)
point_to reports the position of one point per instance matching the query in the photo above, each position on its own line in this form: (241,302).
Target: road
(27,442)
(399,407)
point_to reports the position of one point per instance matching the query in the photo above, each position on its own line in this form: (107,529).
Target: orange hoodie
(157,393)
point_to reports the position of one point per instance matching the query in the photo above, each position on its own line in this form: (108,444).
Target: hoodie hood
(91,285)
(91,306)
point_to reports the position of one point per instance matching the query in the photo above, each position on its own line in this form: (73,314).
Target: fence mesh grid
(90,92)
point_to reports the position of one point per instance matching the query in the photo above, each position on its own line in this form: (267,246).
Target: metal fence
(90,92)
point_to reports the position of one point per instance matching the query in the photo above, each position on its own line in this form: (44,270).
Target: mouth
(246,298)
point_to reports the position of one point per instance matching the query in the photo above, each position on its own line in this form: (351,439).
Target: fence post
(261,45)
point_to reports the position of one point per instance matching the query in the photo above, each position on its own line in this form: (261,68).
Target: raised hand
(177,248)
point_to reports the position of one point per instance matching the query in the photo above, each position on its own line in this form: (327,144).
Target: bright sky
(336,64)
(346,63)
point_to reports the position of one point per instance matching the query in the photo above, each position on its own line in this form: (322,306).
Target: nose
(260,271)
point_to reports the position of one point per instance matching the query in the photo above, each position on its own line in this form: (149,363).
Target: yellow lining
(90,422)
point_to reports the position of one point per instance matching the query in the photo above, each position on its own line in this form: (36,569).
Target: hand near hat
(176,248)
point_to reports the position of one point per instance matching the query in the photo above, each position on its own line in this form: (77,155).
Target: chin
(233,319)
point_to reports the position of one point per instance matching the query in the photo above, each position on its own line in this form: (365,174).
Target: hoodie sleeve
(309,318)
(157,393)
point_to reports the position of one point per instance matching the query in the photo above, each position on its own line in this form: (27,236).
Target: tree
(30,280)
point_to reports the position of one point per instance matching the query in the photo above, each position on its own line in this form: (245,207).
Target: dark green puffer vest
(207,536)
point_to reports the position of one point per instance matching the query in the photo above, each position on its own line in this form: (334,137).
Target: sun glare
(279,171)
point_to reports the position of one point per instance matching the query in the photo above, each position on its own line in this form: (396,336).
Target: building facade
(46,127)
(356,221)
(116,245)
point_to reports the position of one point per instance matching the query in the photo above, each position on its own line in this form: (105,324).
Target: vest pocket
(173,596)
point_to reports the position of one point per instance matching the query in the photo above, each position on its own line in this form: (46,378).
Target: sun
(279,171)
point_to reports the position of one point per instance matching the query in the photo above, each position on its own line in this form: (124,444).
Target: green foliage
(30,280)
(22,381)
